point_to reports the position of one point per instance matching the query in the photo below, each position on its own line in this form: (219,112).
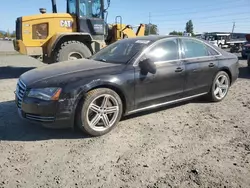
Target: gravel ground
(193,144)
(6,46)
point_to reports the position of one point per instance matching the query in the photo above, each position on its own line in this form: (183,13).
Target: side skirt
(165,103)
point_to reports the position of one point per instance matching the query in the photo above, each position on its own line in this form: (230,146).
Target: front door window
(165,51)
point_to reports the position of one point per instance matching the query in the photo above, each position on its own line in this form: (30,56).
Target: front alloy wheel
(101,111)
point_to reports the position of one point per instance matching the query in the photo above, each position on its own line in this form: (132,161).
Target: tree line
(8,34)
(188,29)
(152,29)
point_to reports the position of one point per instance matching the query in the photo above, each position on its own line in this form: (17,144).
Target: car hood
(62,69)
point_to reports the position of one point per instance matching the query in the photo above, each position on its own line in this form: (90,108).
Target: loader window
(83,7)
(72,7)
(40,31)
(87,8)
(96,8)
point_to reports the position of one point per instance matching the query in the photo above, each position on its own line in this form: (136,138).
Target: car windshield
(121,51)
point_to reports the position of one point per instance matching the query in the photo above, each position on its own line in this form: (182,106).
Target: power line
(194,8)
(233,27)
(207,22)
(207,17)
(196,12)
(209,25)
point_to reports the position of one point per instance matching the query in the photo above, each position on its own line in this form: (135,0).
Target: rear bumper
(235,77)
(234,70)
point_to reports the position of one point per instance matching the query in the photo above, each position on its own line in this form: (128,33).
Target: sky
(207,15)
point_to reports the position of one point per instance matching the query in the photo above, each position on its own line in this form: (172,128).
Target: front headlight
(47,94)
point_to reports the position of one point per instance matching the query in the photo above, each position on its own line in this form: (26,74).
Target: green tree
(190,27)
(176,33)
(151,29)
(1,35)
(7,34)
(13,34)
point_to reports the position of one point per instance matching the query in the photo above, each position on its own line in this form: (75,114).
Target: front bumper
(51,114)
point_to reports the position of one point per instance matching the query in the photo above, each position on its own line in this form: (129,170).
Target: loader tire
(71,50)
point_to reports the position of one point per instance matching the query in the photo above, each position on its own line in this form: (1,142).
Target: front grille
(20,91)
(40,118)
(19,28)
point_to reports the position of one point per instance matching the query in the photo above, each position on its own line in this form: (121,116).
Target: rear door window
(211,51)
(193,48)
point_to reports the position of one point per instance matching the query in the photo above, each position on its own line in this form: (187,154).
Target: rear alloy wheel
(101,111)
(220,87)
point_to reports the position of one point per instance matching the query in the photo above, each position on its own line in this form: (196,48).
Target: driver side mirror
(147,65)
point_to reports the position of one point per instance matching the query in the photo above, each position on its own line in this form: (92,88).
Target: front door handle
(179,69)
(211,65)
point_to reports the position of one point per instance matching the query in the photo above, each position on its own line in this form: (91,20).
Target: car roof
(153,38)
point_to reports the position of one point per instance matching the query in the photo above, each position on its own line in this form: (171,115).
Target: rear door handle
(179,69)
(211,65)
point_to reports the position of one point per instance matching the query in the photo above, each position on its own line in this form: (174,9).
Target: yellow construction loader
(78,33)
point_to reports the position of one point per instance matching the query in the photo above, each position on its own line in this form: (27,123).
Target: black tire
(244,57)
(69,47)
(211,96)
(220,46)
(248,61)
(82,116)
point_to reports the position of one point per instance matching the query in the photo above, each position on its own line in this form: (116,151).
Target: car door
(200,65)
(167,83)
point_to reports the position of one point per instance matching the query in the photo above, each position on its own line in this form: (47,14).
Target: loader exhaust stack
(54,8)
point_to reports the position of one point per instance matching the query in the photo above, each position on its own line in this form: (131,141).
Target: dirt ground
(6,46)
(192,144)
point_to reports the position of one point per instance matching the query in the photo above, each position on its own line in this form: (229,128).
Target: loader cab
(89,15)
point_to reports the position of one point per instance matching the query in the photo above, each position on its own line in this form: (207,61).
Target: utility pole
(233,27)
(149,23)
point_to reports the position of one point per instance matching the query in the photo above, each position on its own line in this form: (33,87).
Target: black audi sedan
(128,76)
